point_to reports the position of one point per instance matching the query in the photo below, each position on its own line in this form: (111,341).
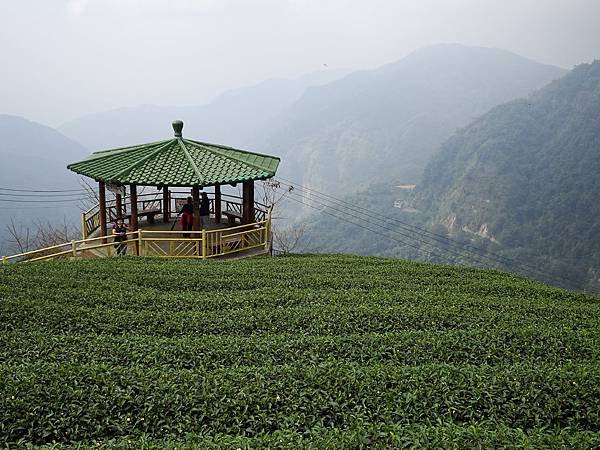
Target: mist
(64,59)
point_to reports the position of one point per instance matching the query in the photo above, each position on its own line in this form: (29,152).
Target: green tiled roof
(176,162)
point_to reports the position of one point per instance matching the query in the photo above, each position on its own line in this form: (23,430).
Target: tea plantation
(293,352)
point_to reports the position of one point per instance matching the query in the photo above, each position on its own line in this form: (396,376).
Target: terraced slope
(311,351)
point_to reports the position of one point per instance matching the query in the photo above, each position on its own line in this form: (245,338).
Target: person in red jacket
(187,217)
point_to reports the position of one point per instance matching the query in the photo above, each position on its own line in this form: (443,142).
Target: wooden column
(217,203)
(166,204)
(119,205)
(102,208)
(196,197)
(133,222)
(248,202)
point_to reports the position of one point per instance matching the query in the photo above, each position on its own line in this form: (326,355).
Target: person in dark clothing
(119,231)
(204,211)
(187,217)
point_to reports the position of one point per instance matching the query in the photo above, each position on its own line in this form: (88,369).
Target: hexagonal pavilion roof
(176,162)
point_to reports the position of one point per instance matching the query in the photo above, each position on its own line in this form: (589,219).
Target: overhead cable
(489,255)
(463,251)
(43,190)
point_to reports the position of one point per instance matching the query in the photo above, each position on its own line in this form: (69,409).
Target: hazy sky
(65,58)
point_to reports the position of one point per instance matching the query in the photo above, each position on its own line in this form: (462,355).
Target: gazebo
(173,163)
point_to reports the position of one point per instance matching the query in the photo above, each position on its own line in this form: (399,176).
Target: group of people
(187,214)
(119,229)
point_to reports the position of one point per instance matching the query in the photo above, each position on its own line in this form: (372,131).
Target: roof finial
(177,127)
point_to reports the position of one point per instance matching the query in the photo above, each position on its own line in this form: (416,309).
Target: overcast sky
(65,58)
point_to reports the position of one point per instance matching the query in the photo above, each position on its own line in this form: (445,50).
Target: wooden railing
(206,243)
(81,248)
(90,220)
(167,244)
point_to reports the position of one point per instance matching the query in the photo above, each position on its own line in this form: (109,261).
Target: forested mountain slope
(385,124)
(526,175)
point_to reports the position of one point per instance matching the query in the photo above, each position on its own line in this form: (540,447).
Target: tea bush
(298,351)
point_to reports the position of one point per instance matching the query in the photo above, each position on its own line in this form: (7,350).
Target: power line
(42,191)
(44,207)
(43,201)
(550,278)
(420,249)
(419,231)
(407,226)
(345,212)
(508,262)
(358,225)
(40,195)
(547,277)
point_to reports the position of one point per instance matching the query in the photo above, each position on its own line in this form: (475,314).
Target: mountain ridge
(526,172)
(35,157)
(233,118)
(387,122)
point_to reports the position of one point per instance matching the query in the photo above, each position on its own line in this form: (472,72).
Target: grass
(289,352)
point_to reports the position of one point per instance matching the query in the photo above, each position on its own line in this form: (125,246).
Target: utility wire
(43,201)
(508,262)
(405,225)
(44,207)
(502,260)
(359,225)
(548,278)
(411,237)
(378,232)
(42,191)
(40,195)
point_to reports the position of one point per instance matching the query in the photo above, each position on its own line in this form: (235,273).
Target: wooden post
(119,205)
(102,205)
(83,226)
(133,221)
(248,202)
(217,203)
(196,198)
(166,205)
(268,231)
(139,243)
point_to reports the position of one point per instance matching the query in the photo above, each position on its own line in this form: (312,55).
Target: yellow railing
(206,243)
(166,244)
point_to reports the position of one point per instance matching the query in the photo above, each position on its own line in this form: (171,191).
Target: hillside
(238,117)
(35,157)
(385,124)
(525,177)
(290,352)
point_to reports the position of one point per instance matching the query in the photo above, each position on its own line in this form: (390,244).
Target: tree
(286,238)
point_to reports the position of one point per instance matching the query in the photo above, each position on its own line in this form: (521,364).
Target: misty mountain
(35,157)
(238,118)
(526,176)
(385,124)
